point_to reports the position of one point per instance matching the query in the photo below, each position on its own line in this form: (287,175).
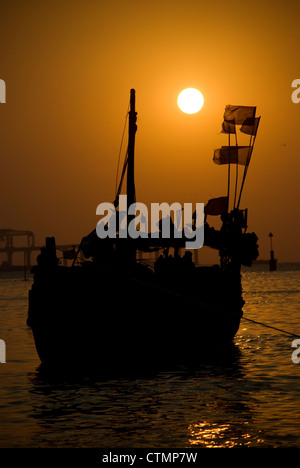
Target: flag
(216,206)
(250,126)
(233,154)
(228,127)
(239,114)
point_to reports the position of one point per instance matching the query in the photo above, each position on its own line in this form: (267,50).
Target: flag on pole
(216,206)
(232,154)
(239,114)
(250,126)
(228,127)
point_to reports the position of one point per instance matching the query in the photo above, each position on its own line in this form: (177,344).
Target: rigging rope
(126,118)
(122,178)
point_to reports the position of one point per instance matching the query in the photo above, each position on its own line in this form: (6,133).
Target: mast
(131,142)
(131,250)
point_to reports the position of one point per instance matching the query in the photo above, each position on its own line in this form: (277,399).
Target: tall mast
(131,141)
(130,245)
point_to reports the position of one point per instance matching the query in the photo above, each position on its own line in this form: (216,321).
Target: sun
(190,100)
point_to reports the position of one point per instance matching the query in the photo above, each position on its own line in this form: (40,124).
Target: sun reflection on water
(213,435)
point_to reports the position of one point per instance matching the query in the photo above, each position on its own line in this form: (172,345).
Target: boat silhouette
(112,312)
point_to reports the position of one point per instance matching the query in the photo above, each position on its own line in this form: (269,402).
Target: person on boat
(187,261)
(45,259)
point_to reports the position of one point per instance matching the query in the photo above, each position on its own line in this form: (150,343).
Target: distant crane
(7,236)
(7,246)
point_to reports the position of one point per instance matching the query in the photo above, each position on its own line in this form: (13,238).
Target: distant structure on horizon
(7,237)
(8,247)
(273,260)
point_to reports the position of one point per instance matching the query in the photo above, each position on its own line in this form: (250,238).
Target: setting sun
(190,101)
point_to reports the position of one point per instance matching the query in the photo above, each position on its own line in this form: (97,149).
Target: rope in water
(220,311)
(270,326)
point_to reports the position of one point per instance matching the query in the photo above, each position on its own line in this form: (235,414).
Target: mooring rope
(214,308)
(270,326)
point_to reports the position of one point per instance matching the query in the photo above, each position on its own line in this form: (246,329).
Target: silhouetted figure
(187,261)
(46,259)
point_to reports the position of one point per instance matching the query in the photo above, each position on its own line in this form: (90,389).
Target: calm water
(250,399)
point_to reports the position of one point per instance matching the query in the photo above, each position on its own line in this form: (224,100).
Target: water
(249,399)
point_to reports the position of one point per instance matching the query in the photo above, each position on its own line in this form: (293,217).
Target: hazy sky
(69,67)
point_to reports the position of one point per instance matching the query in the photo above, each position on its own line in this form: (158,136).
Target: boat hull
(106,320)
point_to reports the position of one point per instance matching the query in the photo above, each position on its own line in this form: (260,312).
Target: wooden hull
(103,320)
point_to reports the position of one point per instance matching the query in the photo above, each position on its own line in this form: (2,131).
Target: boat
(109,311)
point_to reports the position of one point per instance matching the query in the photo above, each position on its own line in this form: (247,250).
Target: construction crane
(7,236)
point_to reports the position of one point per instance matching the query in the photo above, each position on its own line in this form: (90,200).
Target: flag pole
(252,138)
(228,183)
(237,172)
(246,168)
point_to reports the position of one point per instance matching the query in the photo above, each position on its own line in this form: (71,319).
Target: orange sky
(69,67)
